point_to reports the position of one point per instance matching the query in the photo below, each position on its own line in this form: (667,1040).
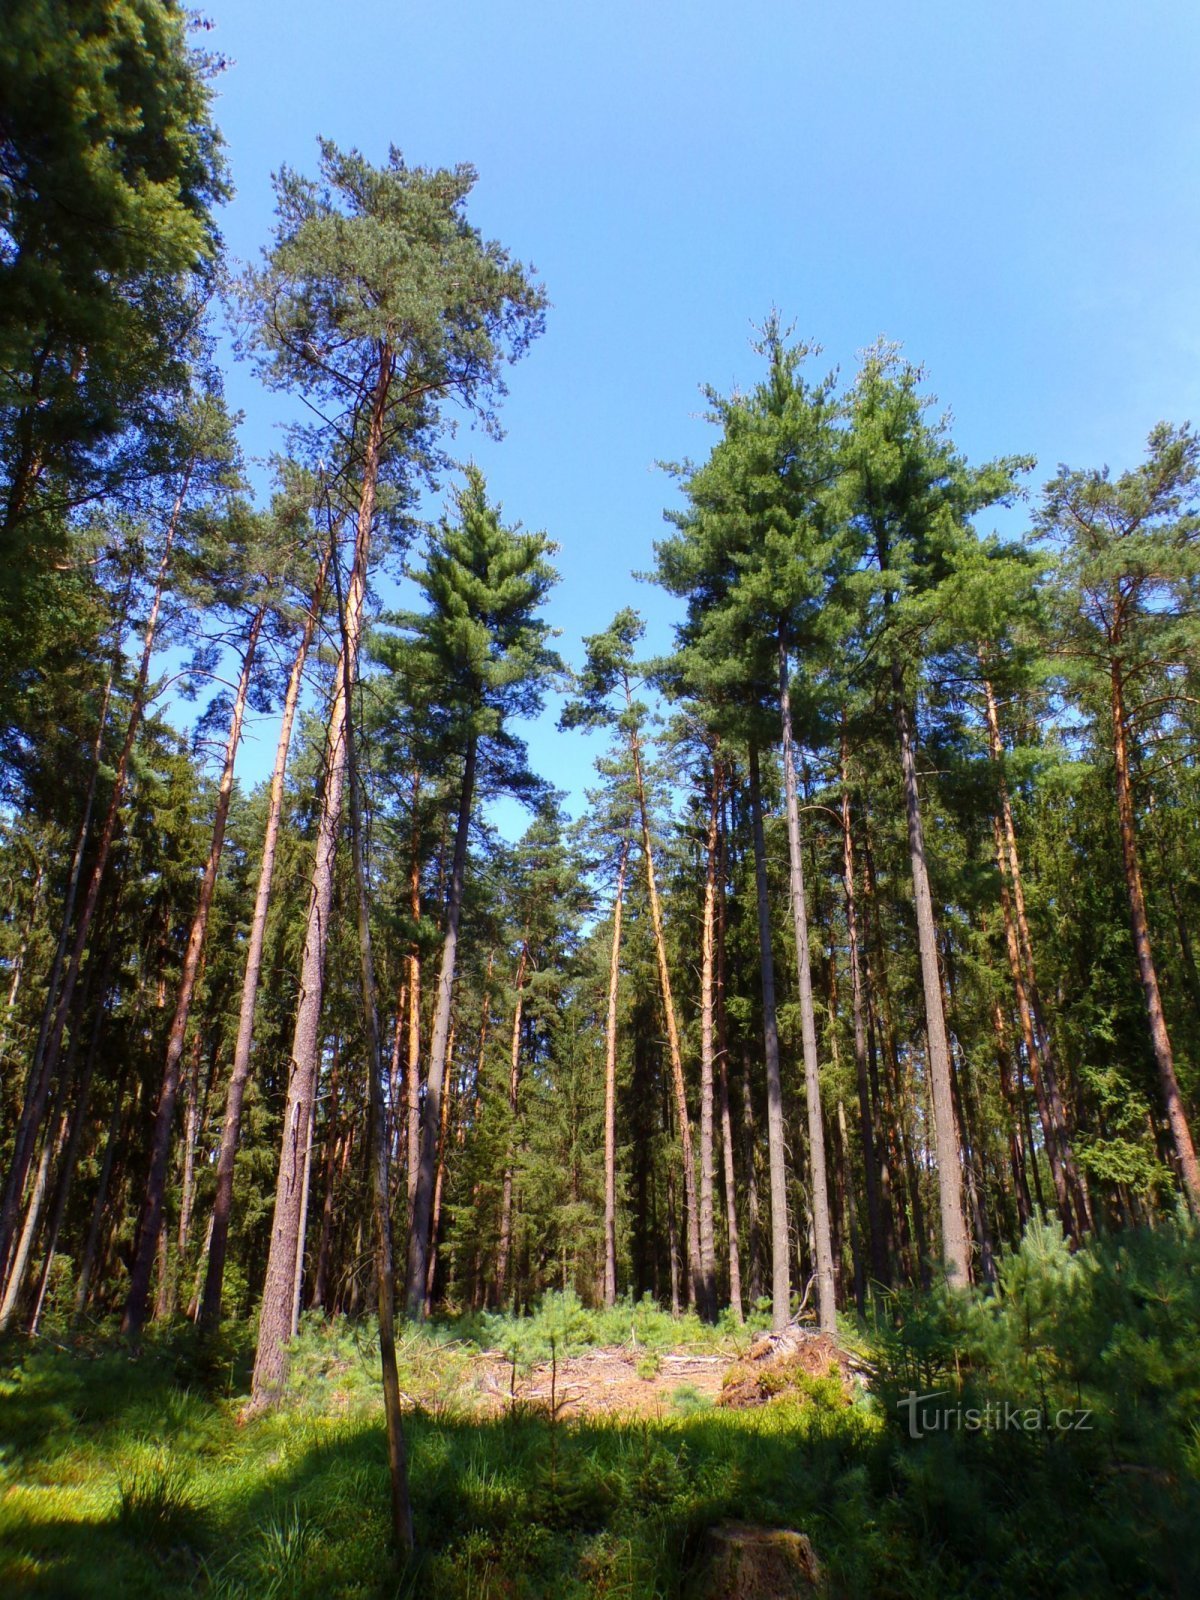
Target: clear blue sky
(1010,190)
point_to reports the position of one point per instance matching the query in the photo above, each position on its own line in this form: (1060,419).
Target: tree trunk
(875,1229)
(754,1285)
(71,1154)
(1016,1142)
(955,1239)
(332,1142)
(239,1077)
(431,1111)
(164,1117)
(1068,1184)
(35,1101)
(731,1221)
(440,1177)
(781,1309)
(1177,1120)
(610,1089)
(270,1361)
(695,1275)
(826,1308)
(514,1077)
(708,1248)
(402,1524)
(412,1080)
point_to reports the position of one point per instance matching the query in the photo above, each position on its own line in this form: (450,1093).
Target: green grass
(131,1479)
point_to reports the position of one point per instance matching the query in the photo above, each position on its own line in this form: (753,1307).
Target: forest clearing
(510,1091)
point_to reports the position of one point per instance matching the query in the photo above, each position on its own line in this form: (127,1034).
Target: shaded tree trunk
(695,1274)
(34,1105)
(776,1150)
(514,1078)
(956,1251)
(1177,1121)
(1068,1185)
(826,1308)
(875,1228)
(431,1111)
(731,1218)
(164,1117)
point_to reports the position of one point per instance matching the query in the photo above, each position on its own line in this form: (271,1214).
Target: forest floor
(623,1381)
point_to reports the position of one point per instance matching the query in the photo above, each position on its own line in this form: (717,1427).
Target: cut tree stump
(745,1563)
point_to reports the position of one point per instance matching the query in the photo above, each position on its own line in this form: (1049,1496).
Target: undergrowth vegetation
(1039,1440)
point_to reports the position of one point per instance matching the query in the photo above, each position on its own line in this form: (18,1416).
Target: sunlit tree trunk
(610,1088)
(1177,1121)
(776,1149)
(826,1307)
(956,1251)
(708,1249)
(239,1077)
(695,1276)
(504,1249)
(731,1219)
(431,1110)
(275,1316)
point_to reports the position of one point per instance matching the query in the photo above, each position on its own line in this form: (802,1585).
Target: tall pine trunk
(275,1316)
(695,1274)
(514,1077)
(1177,1121)
(1068,1183)
(708,1248)
(776,1147)
(875,1228)
(956,1250)
(610,1088)
(377,1135)
(164,1117)
(731,1218)
(239,1076)
(412,1076)
(822,1238)
(431,1110)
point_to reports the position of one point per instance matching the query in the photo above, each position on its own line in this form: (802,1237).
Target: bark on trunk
(239,1077)
(708,1248)
(1068,1183)
(160,1143)
(1177,1120)
(412,1083)
(826,1308)
(695,1274)
(402,1524)
(956,1250)
(776,1149)
(270,1361)
(514,1078)
(440,1177)
(875,1228)
(431,1111)
(731,1220)
(610,1089)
